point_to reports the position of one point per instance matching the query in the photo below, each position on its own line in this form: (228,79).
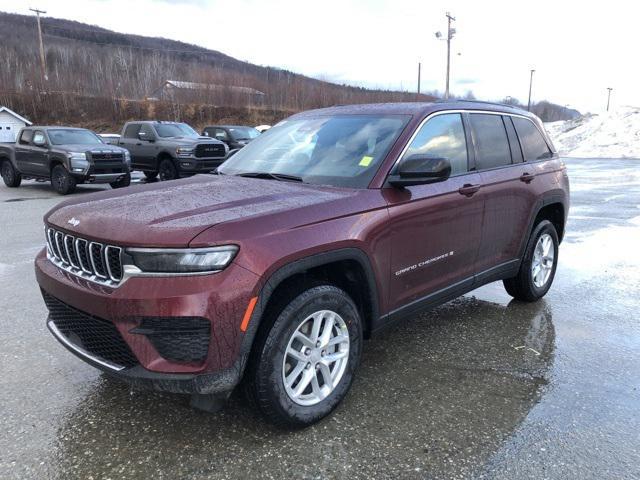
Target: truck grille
(210,150)
(94,261)
(107,162)
(100,338)
(107,156)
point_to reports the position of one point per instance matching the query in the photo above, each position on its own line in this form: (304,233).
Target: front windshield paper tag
(366,161)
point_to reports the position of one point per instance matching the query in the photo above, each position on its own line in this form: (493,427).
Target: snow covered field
(615,134)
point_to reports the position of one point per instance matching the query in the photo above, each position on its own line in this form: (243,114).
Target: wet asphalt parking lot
(482,387)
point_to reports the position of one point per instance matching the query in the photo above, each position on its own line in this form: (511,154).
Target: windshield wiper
(271,176)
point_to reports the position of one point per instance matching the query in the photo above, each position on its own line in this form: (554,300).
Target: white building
(10,125)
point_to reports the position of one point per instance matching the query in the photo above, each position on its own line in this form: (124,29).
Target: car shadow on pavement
(434,396)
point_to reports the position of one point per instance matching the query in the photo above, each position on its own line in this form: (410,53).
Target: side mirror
(419,170)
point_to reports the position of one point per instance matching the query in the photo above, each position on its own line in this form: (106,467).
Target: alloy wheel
(316,358)
(542,263)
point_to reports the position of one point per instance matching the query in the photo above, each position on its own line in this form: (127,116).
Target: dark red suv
(319,233)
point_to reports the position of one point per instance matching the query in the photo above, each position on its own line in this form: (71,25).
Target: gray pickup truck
(66,156)
(170,149)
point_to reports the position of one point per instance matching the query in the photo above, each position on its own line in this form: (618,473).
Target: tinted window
(148,131)
(167,130)
(491,141)
(25,137)
(132,130)
(220,134)
(38,138)
(533,145)
(73,137)
(514,144)
(442,137)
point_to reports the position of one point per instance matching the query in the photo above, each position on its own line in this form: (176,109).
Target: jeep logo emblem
(73,221)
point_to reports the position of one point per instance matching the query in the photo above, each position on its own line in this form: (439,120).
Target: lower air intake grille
(177,339)
(97,336)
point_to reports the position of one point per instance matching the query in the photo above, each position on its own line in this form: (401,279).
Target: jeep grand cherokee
(319,233)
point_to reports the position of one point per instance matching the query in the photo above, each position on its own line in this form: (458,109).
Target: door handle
(527,177)
(468,189)
(138,144)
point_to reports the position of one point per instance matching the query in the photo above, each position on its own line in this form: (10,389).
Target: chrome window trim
(463,111)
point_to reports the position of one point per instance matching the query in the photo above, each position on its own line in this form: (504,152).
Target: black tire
(10,175)
(62,181)
(522,286)
(167,169)
(150,175)
(123,182)
(265,372)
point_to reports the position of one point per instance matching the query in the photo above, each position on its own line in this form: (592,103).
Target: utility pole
(419,68)
(530,86)
(608,97)
(43,67)
(450,33)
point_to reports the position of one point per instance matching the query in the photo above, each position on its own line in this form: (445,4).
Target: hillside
(89,60)
(615,134)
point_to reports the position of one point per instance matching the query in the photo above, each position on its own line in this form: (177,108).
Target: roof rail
(478,101)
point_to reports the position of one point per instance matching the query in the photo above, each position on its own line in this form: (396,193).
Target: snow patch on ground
(615,134)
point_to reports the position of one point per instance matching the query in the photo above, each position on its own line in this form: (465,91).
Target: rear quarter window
(533,144)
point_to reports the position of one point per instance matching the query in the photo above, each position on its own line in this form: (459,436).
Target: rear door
(435,228)
(24,159)
(508,198)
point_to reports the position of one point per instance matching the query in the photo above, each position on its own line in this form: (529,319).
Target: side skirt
(505,270)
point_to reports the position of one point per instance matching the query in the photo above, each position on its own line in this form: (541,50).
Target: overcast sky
(577,48)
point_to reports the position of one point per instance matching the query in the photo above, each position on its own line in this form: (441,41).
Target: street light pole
(450,32)
(608,97)
(530,86)
(419,68)
(43,67)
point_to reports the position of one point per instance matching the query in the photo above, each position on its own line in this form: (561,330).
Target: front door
(436,228)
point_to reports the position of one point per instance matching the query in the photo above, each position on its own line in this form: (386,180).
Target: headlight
(184,151)
(188,260)
(78,161)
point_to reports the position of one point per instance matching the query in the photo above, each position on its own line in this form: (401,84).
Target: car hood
(188,141)
(171,214)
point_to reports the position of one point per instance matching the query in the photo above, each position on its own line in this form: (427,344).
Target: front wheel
(123,182)
(538,266)
(305,364)
(167,170)
(150,175)
(10,175)
(62,181)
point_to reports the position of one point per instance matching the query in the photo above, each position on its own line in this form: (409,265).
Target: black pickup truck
(66,156)
(170,149)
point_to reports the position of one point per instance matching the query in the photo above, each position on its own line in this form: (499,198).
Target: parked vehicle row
(71,156)
(333,226)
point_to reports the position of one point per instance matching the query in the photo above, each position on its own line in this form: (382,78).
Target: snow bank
(615,134)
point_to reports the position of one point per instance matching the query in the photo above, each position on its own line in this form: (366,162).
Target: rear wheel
(167,169)
(123,182)
(10,175)
(538,266)
(62,181)
(150,175)
(305,364)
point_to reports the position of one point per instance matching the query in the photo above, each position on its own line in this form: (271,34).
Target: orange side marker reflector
(247,314)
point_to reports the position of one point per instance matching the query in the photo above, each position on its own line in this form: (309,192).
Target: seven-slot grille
(210,150)
(94,261)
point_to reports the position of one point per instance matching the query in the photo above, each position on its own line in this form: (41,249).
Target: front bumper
(123,349)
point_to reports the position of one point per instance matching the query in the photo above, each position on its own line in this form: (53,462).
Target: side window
(147,130)
(442,136)
(132,130)
(25,137)
(220,134)
(514,143)
(38,138)
(533,145)
(491,141)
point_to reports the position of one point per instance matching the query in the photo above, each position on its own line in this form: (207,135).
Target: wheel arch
(554,207)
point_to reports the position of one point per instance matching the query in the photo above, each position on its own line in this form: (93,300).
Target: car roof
(413,108)
(56,127)
(229,126)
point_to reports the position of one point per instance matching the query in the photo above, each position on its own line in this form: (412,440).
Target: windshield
(73,137)
(340,150)
(175,130)
(244,133)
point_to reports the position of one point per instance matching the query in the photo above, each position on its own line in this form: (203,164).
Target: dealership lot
(481,386)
